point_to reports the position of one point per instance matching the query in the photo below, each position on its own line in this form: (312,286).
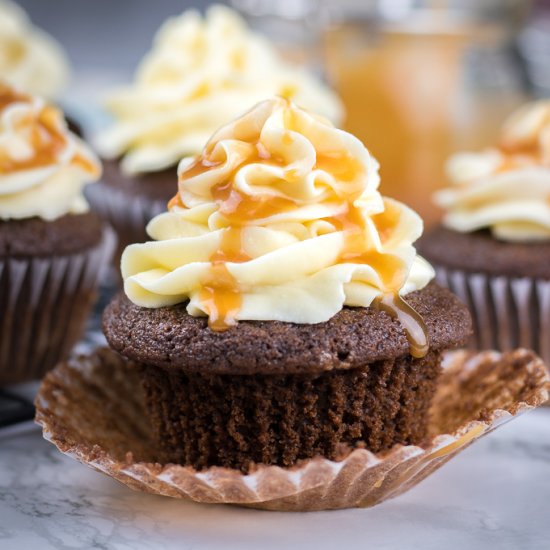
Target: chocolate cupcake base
(45,297)
(170,338)
(92,408)
(204,420)
(274,393)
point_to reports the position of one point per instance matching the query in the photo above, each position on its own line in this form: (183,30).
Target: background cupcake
(200,74)
(493,247)
(282,312)
(51,247)
(30,59)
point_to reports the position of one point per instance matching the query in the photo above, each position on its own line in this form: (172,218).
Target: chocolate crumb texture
(204,420)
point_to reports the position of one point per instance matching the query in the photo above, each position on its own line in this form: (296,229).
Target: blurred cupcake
(282,313)
(200,74)
(51,247)
(30,59)
(493,247)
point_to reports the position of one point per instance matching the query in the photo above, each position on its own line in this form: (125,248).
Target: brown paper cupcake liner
(128,214)
(92,409)
(507,312)
(44,304)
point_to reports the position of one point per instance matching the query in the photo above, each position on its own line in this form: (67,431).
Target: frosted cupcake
(200,74)
(30,59)
(281,311)
(493,247)
(51,247)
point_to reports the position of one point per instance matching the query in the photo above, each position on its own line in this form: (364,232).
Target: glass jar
(420,79)
(292,25)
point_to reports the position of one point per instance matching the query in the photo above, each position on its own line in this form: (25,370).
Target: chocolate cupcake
(200,74)
(51,246)
(493,247)
(282,313)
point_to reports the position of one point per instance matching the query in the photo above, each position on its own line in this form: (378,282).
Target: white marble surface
(496,495)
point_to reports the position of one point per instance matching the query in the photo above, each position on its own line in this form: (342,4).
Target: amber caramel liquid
(45,137)
(406,99)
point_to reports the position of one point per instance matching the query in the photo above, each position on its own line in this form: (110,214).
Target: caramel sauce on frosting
(42,165)
(287,200)
(221,293)
(45,139)
(46,132)
(507,187)
(9,95)
(391,269)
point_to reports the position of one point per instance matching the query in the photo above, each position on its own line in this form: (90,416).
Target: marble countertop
(495,495)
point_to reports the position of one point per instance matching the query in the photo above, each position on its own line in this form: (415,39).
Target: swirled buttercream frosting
(43,166)
(200,74)
(29,58)
(280,218)
(505,188)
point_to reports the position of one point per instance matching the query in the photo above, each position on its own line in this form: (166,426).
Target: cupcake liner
(92,409)
(128,214)
(507,312)
(44,303)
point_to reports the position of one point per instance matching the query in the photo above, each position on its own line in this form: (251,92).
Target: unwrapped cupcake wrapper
(92,409)
(127,214)
(507,312)
(44,304)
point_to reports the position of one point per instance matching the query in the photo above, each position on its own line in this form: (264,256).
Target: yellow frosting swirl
(505,188)
(29,58)
(43,166)
(200,74)
(280,218)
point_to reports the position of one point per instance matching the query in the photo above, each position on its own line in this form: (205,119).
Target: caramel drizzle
(390,268)
(412,322)
(520,158)
(46,138)
(528,148)
(221,295)
(515,156)
(9,95)
(519,154)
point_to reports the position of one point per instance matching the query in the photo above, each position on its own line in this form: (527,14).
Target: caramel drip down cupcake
(281,311)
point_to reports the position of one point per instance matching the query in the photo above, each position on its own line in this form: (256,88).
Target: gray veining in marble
(496,495)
